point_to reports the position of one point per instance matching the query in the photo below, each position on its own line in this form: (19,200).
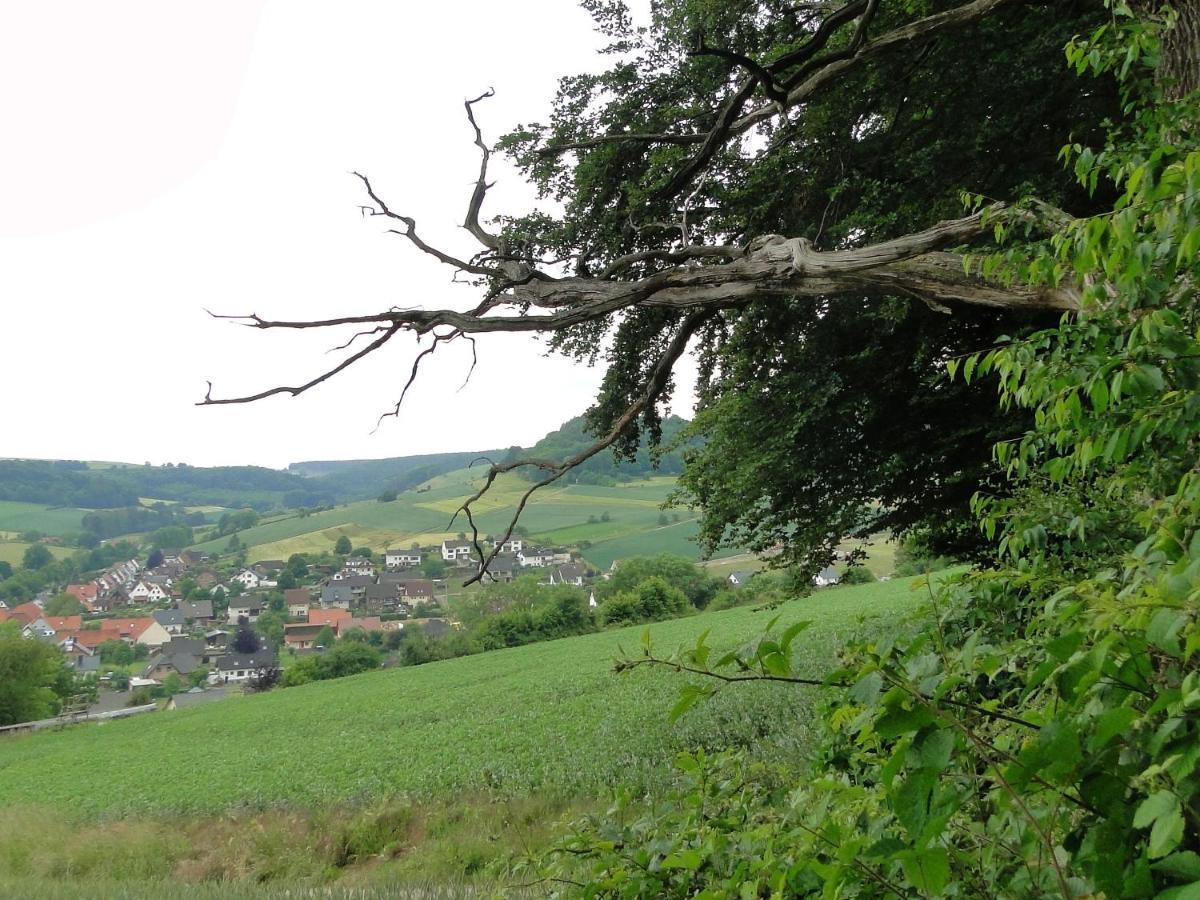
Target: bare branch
(655,384)
(300,389)
(481,186)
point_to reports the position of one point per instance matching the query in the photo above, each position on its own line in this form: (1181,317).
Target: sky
(161,159)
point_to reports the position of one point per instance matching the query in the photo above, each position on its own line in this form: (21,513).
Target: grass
(548,718)
(18,516)
(13,552)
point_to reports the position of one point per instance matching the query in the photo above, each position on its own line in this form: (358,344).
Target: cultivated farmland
(16,516)
(548,718)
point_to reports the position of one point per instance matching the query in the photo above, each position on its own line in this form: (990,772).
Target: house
(267,568)
(196,611)
(358,584)
(81,657)
(193,558)
(248,578)
(189,646)
(513,545)
(456,551)
(433,627)
(503,569)
(90,639)
(148,589)
(418,589)
(739,579)
(64,623)
(87,594)
(401,559)
(329,617)
(297,600)
(237,667)
(336,596)
(250,606)
(171,619)
(205,579)
(142,630)
(219,589)
(26,614)
(182,664)
(216,639)
(534,558)
(302,636)
(359,565)
(380,597)
(827,576)
(568,574)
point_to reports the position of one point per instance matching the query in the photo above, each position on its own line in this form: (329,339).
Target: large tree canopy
(780,187)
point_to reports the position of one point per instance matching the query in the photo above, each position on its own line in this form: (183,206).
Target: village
(184,627)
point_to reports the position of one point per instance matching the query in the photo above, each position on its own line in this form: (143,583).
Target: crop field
(16,517)
(13,552)
(549,718)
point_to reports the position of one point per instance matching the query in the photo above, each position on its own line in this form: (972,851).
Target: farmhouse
(401,559)
(827,576)
(297,600)
(241,667)
(418,589)
(302,636)
(251,607)
(568,574)
(456,551)
(173,620)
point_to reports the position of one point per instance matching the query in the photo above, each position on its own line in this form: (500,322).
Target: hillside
(546,717)
(572,438)
(363,479)
(606,522)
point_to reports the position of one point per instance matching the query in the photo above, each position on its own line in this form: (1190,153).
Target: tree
(364,552)
(245,640)
(36,556)
(155,559)
(325,638)
(64,605)
(34,679)
(342,546)
(297,565)
(851,178)
(677,571)
(433,567)
(6,569)
(270,626)
(172,684)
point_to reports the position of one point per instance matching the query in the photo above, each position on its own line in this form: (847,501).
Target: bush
(652,600)
(857,575)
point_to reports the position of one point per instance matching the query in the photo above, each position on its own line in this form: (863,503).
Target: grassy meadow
(16,517)
(548,717)
(13,552)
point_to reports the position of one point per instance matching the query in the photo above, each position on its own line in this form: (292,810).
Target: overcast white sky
(162,157)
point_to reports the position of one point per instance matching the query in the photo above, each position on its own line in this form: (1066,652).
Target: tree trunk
(1179,68)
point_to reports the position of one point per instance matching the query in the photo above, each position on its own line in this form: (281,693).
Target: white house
(401,559)
(250,607)
(240,667)
(512,545)
(533,558)
(146,591)
(826,576)
(568,574)
(456,551)
(248,579)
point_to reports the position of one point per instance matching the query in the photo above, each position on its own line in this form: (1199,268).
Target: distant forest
(604,468)
(303,484)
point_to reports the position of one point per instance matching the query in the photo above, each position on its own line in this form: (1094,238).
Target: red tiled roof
(64,623)
(327,616)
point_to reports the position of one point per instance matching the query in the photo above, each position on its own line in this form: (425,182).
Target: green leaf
(792,630)
(1166,833)
(866,691)
(936,749)
(1184,865)
(689,696)
(1111,723)
(1154,807)
(928,870)
(683,859)
(1184,892)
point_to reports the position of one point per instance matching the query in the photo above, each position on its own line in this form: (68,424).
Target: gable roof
(246,601)
(455,545)
(168,617)
(367,623)
(196,609)
(64,623)
(125,627)
(262,660)
(327,616)
(297,596)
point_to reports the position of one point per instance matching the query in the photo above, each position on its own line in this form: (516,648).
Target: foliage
(64,605)
(1043,737)
(342,546)
(346,657)
(245,640)
(679,571)
(325,637)
(606,469)
(858,575)
(651,600)
(34,679)
(37,556)
(559,611)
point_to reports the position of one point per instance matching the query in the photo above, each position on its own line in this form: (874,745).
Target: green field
(17,517)
(13,552)
(548,718)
